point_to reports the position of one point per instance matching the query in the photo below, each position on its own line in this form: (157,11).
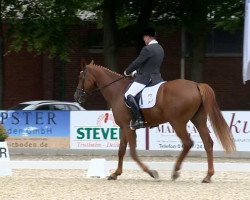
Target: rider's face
(146,39)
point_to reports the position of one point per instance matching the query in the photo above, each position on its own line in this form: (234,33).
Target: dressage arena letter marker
(5,169)
(3,153)
(98,168)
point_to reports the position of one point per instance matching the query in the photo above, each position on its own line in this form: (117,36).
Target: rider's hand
(125,74)
(133,74)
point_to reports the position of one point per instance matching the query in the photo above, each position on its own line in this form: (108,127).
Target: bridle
(82,95)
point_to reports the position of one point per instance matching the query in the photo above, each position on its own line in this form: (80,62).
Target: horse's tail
(218,122)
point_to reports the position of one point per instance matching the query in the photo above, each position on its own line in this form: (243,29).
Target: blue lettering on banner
(36,123)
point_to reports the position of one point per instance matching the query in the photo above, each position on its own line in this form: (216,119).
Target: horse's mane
(106,69)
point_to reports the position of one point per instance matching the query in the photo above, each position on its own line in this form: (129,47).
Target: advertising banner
(239,123)
(36,129)
(97,130)
(164,137)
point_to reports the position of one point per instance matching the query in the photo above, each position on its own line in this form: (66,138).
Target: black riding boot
(138,122)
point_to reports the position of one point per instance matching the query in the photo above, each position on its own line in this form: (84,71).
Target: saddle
(147,97)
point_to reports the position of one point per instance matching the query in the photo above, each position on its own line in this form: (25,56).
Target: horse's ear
(83,64)
(92,62)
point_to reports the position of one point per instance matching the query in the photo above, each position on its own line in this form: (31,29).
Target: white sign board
(164,137)
(97,130)
(5,169)
(239,123)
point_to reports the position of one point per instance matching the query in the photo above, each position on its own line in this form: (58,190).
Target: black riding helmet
(149,32)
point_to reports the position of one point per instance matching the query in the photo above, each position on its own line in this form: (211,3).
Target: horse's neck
(111,89)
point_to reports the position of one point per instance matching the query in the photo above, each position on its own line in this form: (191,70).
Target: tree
(198,19)
(1,58)
(195,22)
(110,33)
(40,26)
(110,26)
(43,26)
(5,10)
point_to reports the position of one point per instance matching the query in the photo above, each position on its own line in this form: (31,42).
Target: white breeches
(134,89)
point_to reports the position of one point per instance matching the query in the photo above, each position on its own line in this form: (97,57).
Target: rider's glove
(133,74)
(125,74)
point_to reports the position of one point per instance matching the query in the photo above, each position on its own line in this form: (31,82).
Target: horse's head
(85,83)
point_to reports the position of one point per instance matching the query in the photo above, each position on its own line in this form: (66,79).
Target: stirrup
(137,124)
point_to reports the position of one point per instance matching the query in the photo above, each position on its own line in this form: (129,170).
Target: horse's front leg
(121,153)
(131,137)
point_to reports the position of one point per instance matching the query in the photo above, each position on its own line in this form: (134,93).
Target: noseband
(80,95)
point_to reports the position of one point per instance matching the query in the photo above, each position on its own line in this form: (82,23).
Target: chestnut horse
(177,102)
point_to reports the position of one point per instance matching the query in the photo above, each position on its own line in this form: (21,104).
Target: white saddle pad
(148,96)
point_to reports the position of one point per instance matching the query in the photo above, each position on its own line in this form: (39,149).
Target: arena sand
(131,185)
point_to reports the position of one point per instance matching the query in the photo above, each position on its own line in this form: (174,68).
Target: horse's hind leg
(121,153)
(200,122)
(187,144)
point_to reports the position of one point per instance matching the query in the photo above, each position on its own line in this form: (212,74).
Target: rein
(98,89)
(111,83)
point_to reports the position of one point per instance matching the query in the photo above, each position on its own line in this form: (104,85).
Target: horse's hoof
(175,175)
(112,177)
(206,180)
(154,174)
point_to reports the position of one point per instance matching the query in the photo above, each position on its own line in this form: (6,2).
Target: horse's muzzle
(80,96)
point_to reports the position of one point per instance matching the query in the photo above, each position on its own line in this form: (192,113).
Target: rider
(146,71)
